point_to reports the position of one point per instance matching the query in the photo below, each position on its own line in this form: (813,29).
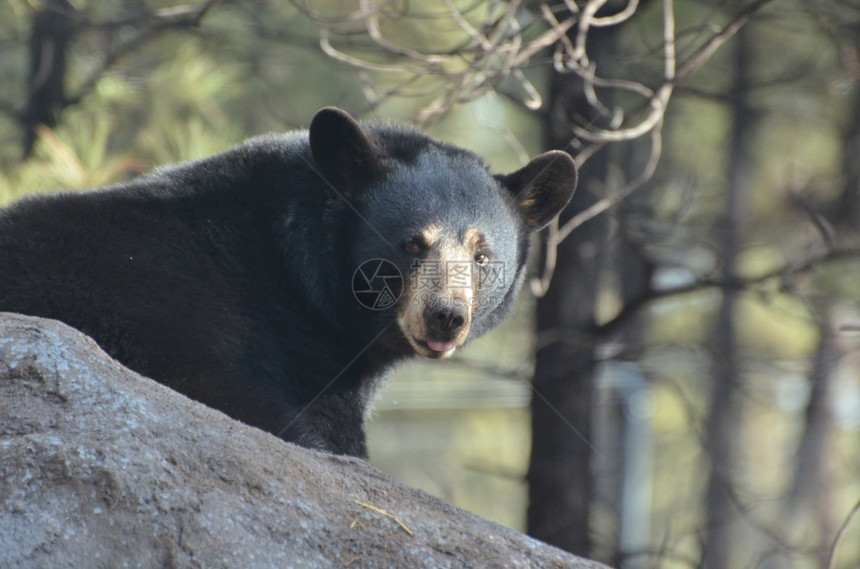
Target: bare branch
(609,202)
(669,40)
(496,50)
(785,273)
(618,18)
(150,25)
(658,102)
(540,286)
(704,53)
(831,560)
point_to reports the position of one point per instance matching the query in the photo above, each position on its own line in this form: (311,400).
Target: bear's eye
(414,245)
(482,259)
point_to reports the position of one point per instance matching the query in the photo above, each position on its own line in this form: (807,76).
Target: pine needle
(387,515)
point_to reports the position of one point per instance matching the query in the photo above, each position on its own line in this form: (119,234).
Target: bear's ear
(342,151)
(543,187)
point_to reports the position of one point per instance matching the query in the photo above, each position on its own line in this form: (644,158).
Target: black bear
(280,281)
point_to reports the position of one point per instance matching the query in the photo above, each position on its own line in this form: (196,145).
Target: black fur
(229,278)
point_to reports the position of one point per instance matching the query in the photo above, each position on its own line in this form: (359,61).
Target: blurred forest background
(682,386)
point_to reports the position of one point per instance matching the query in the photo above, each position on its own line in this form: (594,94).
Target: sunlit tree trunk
(808,507)
(723,427)
(51,33)
(560,476)
(633,272)
(847,210)
(809,502)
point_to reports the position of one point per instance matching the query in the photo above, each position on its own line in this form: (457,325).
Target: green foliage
(186,117)
(80,153)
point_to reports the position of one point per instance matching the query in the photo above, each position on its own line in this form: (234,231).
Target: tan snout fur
(446,276)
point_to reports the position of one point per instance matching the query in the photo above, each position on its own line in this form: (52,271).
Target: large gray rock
(100,467)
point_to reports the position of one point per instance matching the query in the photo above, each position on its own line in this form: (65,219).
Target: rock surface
(101,467)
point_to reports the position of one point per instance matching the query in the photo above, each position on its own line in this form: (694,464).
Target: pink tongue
(440,346)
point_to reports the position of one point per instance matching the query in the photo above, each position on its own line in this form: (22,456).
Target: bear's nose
(445,321)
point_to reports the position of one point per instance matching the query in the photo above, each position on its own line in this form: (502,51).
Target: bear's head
(438,241)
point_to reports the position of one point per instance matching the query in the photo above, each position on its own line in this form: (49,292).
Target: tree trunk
(807,507)
(847,211)
(723,424)
(560,470)
(52,31)
(560,476)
